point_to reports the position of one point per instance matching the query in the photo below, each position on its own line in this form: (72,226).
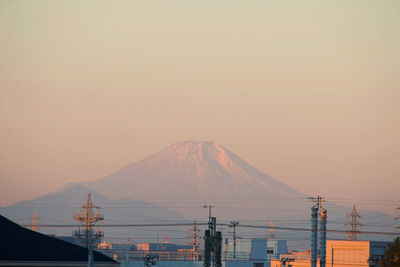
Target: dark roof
(21,244)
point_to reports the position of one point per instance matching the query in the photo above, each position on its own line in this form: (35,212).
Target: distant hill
(60,206)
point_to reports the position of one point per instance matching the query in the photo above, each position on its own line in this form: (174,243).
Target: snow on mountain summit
(190,169)
(189,153)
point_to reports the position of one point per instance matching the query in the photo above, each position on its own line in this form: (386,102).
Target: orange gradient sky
(306,91)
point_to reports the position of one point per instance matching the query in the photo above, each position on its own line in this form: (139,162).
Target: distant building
(354,253)
(161,247)
(254,252)
(137,252)
(275,248)
(340,253)
(117,246)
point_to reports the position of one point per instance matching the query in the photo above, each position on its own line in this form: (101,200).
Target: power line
(118,225)
(205,223)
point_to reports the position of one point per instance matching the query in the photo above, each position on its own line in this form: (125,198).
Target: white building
(254,252)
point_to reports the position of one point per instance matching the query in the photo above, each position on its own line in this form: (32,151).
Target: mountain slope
(203,169)
(60,206)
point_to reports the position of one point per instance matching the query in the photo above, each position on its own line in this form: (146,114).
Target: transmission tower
(233,225)
(354,223)
(34,221)
(87,231)
(272,230)
(194,237)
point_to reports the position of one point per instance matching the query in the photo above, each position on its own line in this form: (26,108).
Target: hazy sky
(306,91)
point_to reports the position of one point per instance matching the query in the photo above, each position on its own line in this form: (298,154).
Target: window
(258,264)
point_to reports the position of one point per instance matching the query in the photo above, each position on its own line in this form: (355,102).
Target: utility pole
(318,200)
(207,248)
(212,242)
(217,249)
(318,210)
(354,223)
(87,219)
(209,211)
(314,238)
(211,220)
(233,225)
(322,244)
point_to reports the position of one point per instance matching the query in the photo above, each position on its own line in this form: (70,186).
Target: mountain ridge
(58,207)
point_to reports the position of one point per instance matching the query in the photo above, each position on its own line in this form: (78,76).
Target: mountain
(60,206)
(189,174)
(203,169)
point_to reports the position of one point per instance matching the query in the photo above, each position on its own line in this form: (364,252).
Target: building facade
(340,253)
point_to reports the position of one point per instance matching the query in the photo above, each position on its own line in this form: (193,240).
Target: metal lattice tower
(194,236)
(354,223)
(87,232)
(272,230)
(34,221)
(397,218)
